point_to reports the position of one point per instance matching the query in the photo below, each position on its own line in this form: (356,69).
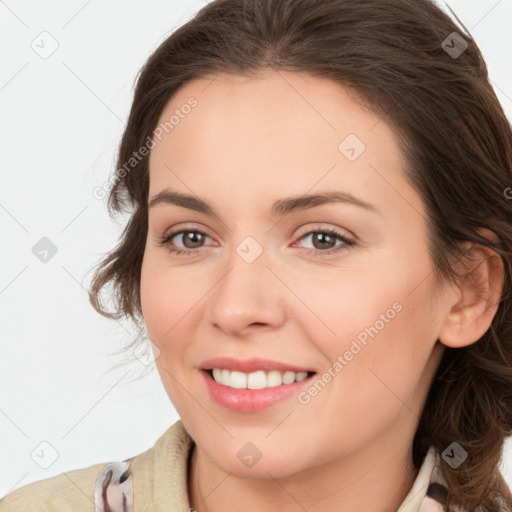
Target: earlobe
(477,300)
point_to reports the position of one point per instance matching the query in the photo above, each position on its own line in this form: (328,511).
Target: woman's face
(267,288)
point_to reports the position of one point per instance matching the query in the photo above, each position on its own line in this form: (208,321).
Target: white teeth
(288,377)
(256,380)
(238,380)
(274,378)
(301,376)
(217,372)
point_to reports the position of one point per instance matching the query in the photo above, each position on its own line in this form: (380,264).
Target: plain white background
(62,116)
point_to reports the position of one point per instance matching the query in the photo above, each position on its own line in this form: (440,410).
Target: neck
(372,479)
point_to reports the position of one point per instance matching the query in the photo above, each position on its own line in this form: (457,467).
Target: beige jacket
(156,481)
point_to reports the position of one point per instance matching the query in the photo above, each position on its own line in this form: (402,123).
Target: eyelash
(347,242)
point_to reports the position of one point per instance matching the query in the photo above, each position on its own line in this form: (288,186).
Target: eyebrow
(280,207)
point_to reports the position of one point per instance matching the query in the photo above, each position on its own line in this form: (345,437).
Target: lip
(251,365)
(251,400)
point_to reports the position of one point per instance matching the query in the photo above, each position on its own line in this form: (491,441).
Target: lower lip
(251,400)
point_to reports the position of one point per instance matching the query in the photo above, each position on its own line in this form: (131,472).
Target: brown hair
(397,57)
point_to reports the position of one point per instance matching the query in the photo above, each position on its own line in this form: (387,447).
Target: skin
(249,142)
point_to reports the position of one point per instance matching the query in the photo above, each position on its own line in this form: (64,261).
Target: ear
(476,301)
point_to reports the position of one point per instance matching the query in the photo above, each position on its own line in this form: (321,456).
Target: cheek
(171,301)
(355,304)
(159,292)
(381,324)
(165,301)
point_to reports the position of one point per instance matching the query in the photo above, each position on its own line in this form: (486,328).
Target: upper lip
(250,365)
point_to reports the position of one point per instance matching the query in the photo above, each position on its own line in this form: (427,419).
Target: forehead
(276,134)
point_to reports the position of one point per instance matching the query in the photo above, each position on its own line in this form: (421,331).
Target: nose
(248,295)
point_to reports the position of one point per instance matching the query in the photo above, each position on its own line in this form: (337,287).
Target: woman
(369,374)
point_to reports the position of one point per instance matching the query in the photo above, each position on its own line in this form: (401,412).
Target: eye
(323,237)
(194,238)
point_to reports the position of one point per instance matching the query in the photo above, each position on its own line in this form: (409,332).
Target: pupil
(322,237)
(190,235)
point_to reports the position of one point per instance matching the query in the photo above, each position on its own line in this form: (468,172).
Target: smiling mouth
(260,379)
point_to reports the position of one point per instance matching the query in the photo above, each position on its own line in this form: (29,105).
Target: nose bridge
(248,292)
(247,270)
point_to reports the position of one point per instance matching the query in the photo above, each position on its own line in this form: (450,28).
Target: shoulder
(68,491)
(113,486)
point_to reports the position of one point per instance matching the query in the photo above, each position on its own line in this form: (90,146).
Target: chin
(246,460)
(262,470)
